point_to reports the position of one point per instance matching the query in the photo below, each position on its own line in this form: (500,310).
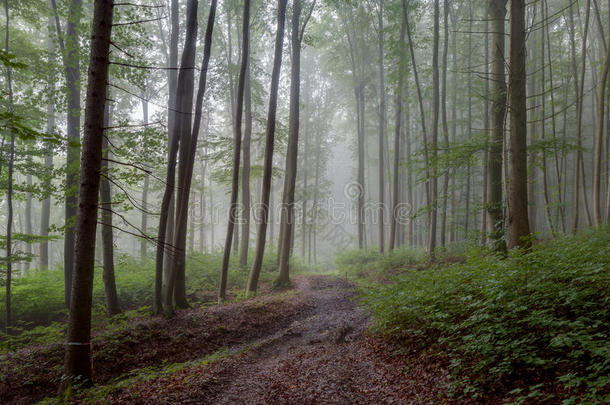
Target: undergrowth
(38,297)
(534,326)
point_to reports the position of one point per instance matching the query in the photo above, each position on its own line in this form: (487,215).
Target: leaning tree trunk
(519,228)
(268,160)
(236,151)
(497,13)
(78,366)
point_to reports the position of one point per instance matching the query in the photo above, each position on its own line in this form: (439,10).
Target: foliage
(541,318)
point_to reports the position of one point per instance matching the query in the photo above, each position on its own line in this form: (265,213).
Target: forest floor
(306,345)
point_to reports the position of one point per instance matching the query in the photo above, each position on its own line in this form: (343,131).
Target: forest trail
(305,345)
(322,356)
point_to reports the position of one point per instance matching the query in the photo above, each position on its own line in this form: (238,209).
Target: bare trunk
(287,208)
(245,176)
(519,229)
(78,366)
(268,160)
(497,13)
(236,151)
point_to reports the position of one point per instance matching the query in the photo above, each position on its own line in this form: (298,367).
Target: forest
(305,201)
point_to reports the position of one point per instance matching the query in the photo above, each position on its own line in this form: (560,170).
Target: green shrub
(539,317)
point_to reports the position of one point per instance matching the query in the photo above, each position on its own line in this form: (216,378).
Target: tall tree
(433,144)
(181,123)
(382,123)
(397,142)
(112,301)
(78,367)
(236,151)
(497,14)
(70,46)
(268,160)
(518,218)
(287,212)
(599,136)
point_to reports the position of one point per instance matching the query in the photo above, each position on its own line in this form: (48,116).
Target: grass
(536,326)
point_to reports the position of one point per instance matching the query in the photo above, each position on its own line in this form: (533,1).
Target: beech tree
(78,368)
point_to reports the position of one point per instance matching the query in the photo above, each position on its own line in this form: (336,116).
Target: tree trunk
(434,140)
(9,191)
(444,191)
(78,366)
(519,229)
(397,142)
(187,152)
(245,175)
(181,122)
(579,84)
(112,300)
(382,118)
(236,150)
(287,209)
(144,222)
(497,13)
(268,160)
(71,60)
(599,140)
(166,220)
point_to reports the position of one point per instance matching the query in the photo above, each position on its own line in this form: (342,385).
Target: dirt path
(323,356)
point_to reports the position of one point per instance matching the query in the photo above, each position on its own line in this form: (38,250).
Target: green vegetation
(38,300)
(527,323)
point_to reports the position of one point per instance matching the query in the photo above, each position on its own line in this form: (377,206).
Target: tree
(236,151)
(69,46)
(268,160)
(112,301)
(78,347)
(518,218)
(433,144)
(497,13)
(397,142)
(287,213)
(181,122)
(188,149)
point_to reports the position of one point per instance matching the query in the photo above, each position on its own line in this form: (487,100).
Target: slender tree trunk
(382,118)
(579,84)
(519,228)
(497,13)
(268,160)
(144,222)
(9,191)
(422,118)
(78,366)
(181,122)
(166,220)
(236,151)
(187,152)
(487,122)
(70,53)
(599,139)
(434,140)
(397,142)
(443,230)
(287,209)
(245,176)
(112,300)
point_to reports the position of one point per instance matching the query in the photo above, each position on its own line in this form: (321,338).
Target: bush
(542,317)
